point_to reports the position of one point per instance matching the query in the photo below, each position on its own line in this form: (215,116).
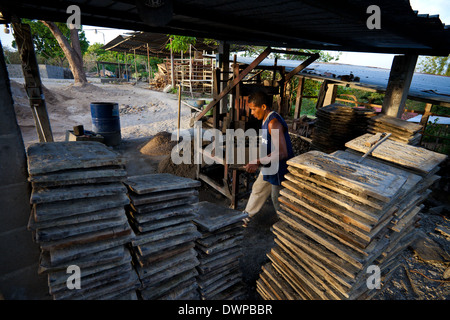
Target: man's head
(260,104)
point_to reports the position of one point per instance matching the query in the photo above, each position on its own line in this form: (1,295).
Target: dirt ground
(424,271)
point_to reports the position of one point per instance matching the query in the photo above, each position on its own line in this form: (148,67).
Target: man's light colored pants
(260,192)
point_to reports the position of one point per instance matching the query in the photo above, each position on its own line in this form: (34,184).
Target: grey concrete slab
(159,182)
(211,216)
(55,156)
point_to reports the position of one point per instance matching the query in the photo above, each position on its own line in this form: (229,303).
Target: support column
(19,260)
(400,78)
(33,84)
(224,65)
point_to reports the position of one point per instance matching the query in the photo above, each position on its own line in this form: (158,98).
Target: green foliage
(95,53)
(435,65)
(254,51)
(46,44)
(180,43)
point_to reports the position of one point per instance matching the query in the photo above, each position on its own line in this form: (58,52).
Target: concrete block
(13,160)
(15,204)
(24,284)
(18,250)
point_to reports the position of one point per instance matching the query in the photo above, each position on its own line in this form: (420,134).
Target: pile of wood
(160,80)
(340,222)
(401,130)
(336,124)
(78,220)
(219,251)
(161,211)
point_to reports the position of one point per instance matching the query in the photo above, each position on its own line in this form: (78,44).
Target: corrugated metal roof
(157,43)
(424,87)
(308,24)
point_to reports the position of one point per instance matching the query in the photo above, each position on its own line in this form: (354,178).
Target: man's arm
(280,147)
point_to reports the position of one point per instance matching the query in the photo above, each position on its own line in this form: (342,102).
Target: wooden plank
(279,282)
(345,252)
(316,270)
(290,278)
(335,187)
(396,123)
(311,273)
(310,215)
(337,267)
(378,184)
(361,216)
(415,158)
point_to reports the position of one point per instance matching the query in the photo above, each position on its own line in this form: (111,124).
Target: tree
(435,65)
(71,47)
(56,41)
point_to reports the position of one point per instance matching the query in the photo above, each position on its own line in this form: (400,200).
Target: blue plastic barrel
(106,121)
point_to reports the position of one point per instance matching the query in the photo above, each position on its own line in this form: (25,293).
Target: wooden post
(424,120)
(330,95)
(148,63)
(400,78)
(298,101)
(322,92)
(135,66)
(235,81)
(224,65)
(33,84)
(172,68)
(216,89)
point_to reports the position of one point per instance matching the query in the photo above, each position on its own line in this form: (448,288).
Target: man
(276,140)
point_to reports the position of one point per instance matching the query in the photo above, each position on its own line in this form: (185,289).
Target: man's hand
(251,167)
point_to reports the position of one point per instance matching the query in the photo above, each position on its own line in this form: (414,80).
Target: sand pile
(161,144)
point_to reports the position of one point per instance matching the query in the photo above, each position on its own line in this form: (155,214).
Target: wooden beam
(33,84)
(400,78)
(235,81)
(298,101)
(302,66)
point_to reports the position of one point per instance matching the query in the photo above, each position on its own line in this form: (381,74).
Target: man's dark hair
(259,98)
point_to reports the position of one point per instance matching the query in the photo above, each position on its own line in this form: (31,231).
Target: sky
(431,7)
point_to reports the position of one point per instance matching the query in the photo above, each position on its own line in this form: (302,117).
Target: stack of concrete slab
(340,223)
(336,124)
(78,219)
(219,251)
(161,211)
(401,130)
